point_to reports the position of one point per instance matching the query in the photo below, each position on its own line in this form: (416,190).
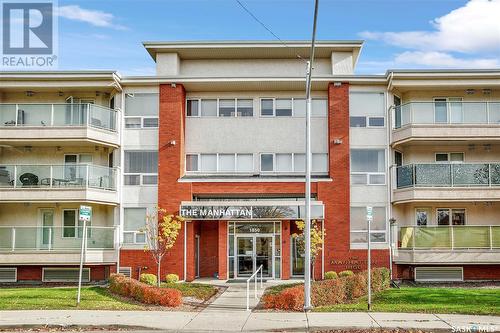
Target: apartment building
(217,136)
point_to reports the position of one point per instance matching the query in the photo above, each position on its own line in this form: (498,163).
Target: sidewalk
(228,313)
(233,320)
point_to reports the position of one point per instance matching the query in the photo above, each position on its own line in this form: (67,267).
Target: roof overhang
(253,49)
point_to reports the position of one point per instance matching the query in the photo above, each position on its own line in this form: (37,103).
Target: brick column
(222,250)
(285,250)
(336,194)
(171,167)
(190,264)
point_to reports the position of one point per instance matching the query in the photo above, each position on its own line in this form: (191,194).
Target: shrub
(289,299)
(172,278)
(346,273)
(331,275)
(148,279)
(346,288)
(144,293)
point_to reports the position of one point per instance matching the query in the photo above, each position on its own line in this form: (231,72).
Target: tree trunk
(312,269)
(158,274)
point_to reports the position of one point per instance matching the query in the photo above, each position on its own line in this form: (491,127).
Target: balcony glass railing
(449,237)
(57,115)
(58,176)
(448,175)
(443,112)
(50,238)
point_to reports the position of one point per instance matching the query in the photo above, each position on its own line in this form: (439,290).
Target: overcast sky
(107,34)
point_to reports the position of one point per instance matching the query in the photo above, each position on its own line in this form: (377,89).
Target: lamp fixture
(30,93)
(486,91)
(470,91)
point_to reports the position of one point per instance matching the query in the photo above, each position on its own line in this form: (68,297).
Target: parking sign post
(84,217)
(369,220)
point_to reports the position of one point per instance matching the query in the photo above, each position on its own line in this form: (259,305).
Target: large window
(288,107)
(219,163)
(368,166)
(229,107)
(292,162)
(450,157)
(72,227)
(359,225)
(134,224)
(141,110)
(141,167)
(450,216)
(366,109)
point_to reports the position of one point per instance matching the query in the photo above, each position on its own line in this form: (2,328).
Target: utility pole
(307,229)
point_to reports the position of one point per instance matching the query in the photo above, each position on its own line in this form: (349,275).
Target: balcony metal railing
(441,112)
(51,238)
(449,237)
(58,176)
(448,175)
(57,115)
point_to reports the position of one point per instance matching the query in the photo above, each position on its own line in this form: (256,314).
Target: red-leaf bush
(141,292)
(344,289)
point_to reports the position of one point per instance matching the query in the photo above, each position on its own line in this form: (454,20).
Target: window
(449,110)
(368,166)
(134,220)
(141,168)
(450,157)
(227,108)
(227,162)
(267,107)
(359,225)
(245,107)
(450,216)
(421,216)
(319,107)
(193,108)
(192,162)
(141,110)
(266,162)
(291,162)
(209,108)
(283,107)
(73,228)
(223,163)
(366,109)
(362,121)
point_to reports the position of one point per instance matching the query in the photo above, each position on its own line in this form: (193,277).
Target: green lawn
(196,290)
(92,298)
(429,300)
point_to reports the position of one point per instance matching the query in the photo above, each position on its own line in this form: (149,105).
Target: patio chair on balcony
(28,179)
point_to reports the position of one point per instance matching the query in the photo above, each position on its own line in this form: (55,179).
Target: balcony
(25,123)
(56,245)
(445,120)
(449,181)
(70,182)
(459,244)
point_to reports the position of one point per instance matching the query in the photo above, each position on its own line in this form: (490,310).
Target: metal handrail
(248,285)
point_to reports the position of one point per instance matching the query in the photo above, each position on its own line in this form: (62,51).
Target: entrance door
(47,222)
(245,246)
(253,251)
(264,254)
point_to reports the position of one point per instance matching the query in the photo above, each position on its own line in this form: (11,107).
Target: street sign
(369,214)
(85,213)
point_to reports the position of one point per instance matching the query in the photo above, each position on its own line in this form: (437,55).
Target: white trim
(252,180)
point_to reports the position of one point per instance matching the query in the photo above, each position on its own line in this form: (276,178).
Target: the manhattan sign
(248,212)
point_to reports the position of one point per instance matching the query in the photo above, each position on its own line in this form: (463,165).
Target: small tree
(161,232)
(317,239)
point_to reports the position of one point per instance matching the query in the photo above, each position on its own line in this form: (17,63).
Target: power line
(265,26)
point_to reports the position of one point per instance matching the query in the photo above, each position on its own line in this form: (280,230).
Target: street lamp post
(307,229)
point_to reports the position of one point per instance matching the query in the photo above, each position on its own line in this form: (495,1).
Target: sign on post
(369,220)
(85,216)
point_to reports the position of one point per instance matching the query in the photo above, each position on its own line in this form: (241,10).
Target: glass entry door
(253,251)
